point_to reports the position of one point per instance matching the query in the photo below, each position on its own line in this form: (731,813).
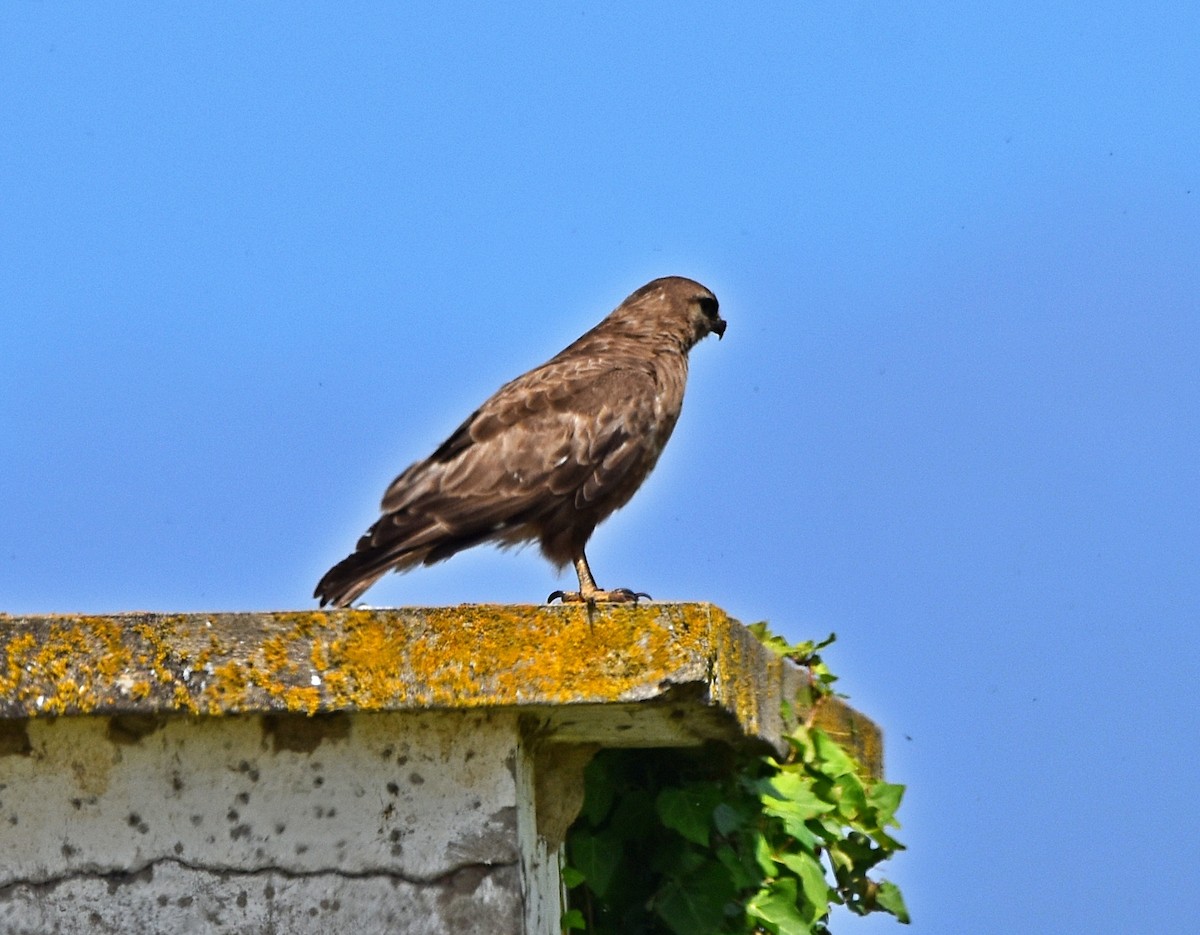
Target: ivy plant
(713,841)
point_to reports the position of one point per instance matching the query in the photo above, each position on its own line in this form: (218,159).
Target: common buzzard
(551,454)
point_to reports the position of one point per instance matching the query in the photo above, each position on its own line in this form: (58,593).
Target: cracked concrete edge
(120,874)
(170,898)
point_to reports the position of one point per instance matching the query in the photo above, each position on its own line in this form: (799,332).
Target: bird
(550,455)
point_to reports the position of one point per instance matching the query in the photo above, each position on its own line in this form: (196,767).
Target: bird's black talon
(556,596)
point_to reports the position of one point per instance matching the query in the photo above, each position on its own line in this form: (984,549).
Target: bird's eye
(708,305)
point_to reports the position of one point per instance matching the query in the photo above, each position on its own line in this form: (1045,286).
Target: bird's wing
(567,438)
(569,428)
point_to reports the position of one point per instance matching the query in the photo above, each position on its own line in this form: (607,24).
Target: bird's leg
(587,584)
(589,593)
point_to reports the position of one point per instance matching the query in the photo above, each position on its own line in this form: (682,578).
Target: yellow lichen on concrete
(443,657)
(469,656)
(502,655)
(20,648)
(56,671)
(366,666)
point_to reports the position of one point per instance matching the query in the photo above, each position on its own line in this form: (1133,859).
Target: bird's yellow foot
(616,596)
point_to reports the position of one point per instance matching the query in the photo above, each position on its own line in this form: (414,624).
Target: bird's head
(709,320)
(702,309)
(673,306)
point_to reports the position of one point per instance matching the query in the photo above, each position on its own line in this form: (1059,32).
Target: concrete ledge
(412,770)
(651,675)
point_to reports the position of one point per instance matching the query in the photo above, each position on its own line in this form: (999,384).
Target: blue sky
(255,259)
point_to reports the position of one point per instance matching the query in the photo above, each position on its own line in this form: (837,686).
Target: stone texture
(394,815)
(410,770)
(563,661)
(169,897)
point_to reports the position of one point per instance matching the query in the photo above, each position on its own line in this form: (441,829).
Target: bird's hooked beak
(719,327)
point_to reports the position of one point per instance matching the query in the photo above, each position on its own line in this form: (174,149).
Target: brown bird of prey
(551,454)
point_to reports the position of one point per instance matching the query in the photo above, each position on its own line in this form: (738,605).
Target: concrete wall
(410,770)
(343,823)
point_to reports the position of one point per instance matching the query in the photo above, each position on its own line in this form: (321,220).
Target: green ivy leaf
(727,819)
(851,798)
(713,845)
(573,919)
(688,858)
(776,906)
(834,760)
(804,653)
(813,885)
(828,641)
(855,855)
(795,820)
(888,898)
(762,855)
(744,872)
(884,798)
(596,856)
(887,842)
(792,793)
(599,789)
(695,905)
(777,644)
(689,810)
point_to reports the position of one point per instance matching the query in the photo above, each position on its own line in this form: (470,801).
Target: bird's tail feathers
(346,581)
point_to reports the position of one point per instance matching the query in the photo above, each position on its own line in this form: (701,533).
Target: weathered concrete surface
(409,770)
(657,660)
(169,897)
(260,824)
